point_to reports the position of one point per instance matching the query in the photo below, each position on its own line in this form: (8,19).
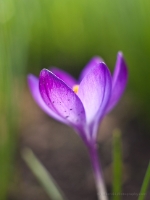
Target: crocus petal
(61,99)
(119,81)
(94,92)
(67,78)
(93,62)
(33,83)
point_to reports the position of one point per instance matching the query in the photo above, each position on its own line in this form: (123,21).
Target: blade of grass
(117,165)
(145,184)
(7,122)
(14,40)
(42,175)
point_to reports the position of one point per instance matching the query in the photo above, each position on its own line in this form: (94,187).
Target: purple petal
(67,78)
(93,62)
(94,92)
(33,83)
(119,81)
(61,99)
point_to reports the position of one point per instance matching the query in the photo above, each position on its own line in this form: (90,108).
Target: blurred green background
(39,33)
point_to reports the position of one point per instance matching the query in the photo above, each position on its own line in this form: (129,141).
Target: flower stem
(101,190)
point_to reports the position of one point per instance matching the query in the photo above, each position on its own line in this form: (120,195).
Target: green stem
(145,184)
(117,165)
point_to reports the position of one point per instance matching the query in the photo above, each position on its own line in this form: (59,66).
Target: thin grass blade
(145,184)
(42,175)
(117,165)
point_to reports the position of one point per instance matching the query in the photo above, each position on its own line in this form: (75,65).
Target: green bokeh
(68,33)
(39,33)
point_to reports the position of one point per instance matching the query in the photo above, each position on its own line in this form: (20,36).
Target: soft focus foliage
(67,33)
(13,40)
(38,33)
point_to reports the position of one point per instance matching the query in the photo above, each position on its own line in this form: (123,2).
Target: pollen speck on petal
(76,88)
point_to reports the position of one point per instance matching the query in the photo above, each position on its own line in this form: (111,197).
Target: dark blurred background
(36,34)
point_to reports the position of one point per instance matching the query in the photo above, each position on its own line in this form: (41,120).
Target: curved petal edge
(119,81)
(67,78)
(61,99)
(92,63)
(94,92)
(33,83)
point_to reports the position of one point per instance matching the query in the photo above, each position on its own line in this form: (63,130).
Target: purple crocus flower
(81,103)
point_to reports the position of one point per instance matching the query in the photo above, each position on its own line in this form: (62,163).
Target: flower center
(75,88)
